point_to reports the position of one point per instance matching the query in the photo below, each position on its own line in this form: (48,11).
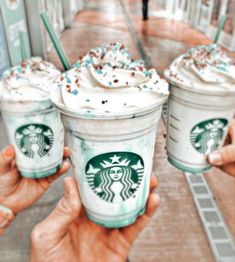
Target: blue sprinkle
(75,91)
(19,69)
(222,68)
(88,61)
(78,64)
(68,80)
(110,83)
(99,71)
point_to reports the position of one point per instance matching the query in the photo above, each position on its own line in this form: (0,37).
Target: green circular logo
(115,176)
(34,140)
(208,135)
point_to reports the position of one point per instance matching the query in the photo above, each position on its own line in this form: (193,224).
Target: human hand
(17,192)
(68,235)
(224,158)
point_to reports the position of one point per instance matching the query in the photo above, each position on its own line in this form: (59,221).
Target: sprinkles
(99,77)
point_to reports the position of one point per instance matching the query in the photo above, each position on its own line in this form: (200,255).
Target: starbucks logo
(208,135)
(34,140)
(116,176)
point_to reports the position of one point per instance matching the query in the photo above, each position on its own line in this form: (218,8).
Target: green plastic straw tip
(220,28)
(58,47)
(22,46)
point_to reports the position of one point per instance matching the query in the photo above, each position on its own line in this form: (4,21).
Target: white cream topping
(203,68)
(29,81)
(106,80)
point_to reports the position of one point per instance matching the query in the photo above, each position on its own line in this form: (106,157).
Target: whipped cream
(106,80)
(29,81)
(204,68)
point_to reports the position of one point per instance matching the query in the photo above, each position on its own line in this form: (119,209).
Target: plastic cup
(112,158)
(35,130)
(197,124)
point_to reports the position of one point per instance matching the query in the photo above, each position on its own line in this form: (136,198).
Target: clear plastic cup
(197,124)
(35,130)
(112,157)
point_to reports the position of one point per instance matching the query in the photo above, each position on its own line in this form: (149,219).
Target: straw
(22,46)
(58,47)
(219,29)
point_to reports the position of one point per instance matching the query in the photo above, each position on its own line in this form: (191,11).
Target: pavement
(175,233)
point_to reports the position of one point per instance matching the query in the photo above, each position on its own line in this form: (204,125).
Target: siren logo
(208,135)
(34,140)
(116,176)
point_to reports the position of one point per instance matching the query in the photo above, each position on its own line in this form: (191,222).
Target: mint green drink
(200,107)
(111,106)
(33,125)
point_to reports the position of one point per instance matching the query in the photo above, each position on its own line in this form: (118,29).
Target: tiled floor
(175,233)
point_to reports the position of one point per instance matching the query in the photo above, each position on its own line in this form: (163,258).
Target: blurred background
(196,221)
(22,15)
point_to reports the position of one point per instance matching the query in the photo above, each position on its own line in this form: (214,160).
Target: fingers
(46,181)
(131,232)
(153,183)
(229,169)
(65,167)
(231,130)
(66,152)
(65,213)
(222,156)
(6,156)
(6,217)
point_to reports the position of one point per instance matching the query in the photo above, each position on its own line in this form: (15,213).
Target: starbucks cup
(199,110)
(112,160)
(33,125)
(111,134)
(36,132)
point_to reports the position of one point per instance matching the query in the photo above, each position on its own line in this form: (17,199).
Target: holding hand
(224,158)
(68,235)
(17,192)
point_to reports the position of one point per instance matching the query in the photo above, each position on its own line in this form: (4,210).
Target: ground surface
(175,233)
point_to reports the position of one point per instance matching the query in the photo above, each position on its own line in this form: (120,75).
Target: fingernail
(157,198)
(9,151)
(4,216)
(215,158)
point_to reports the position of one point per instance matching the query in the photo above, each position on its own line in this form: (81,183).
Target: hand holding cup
(224,158)
(18,193)
(68,235)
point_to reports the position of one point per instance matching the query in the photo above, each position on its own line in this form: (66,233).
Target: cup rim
(213,92)
(111,116)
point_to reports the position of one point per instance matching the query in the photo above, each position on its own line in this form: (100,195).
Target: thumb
(222,156)
(6,156)
(66,211)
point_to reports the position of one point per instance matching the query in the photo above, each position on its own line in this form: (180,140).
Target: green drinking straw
(64,60)
(219,29)
(22,46)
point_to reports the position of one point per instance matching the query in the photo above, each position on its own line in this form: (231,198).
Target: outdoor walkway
(175,233)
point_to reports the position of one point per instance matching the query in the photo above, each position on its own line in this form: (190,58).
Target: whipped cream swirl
(204,67)
(31,80)
(106,80)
